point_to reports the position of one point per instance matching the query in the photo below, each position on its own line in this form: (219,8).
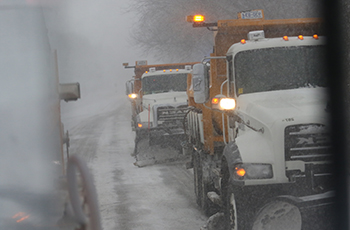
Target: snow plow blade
(297,213)
(146,154)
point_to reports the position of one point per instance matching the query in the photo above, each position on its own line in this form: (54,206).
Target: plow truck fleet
(258,124)
(159,104)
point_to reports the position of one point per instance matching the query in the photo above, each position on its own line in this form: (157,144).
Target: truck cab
(281,105)
(164,104)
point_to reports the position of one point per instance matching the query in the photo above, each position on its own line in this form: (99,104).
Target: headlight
(252,171)
(132,96)
(220,102)
(227,103)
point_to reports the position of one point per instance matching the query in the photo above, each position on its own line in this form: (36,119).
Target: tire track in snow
(115,143)
(158,197)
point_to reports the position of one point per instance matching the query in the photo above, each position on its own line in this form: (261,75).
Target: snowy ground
(154,197)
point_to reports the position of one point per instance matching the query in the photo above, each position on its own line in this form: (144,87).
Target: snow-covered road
(148,198)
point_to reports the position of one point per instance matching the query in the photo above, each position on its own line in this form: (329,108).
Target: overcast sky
(93,40)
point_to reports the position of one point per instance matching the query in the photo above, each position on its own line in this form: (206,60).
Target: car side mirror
(129,86)
(200,83)
(69,91)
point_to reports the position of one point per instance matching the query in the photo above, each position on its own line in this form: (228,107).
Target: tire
(83,197)
(206,204)
(234,214)
(202,187)
(278,215)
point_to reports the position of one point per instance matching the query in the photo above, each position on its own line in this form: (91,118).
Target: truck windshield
(279,68)
(164,83)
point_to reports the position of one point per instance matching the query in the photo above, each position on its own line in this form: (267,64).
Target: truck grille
(307,142)
(311,144)
(171,115)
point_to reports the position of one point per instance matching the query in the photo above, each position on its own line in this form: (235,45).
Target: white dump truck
(259,136)
(159,103)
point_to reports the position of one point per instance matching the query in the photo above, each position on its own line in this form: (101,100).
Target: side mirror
(69,91)
(129,87)
(200,83)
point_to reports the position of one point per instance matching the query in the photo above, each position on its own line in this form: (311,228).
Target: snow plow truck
(258,124)
(159,104)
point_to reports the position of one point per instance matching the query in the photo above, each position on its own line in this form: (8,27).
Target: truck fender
(232,155)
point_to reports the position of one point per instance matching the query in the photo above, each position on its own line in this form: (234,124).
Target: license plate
(255,14)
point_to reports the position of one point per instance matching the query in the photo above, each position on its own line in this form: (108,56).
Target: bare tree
(162,29)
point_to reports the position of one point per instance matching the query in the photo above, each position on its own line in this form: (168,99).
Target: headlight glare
(221,102)
(132,96)
(227,103)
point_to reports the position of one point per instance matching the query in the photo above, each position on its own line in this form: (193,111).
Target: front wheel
(202,186)
(239,211)
(278,215)
(231,212)
(208,207)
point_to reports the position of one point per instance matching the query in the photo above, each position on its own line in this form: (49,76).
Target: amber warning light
(198,21)
(195,18)
(240,171)
(198,18)
(215,101)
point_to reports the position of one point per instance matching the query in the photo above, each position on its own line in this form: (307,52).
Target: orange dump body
(230,32)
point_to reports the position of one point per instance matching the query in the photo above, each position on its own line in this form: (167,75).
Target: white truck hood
(172,98)
(269,107)
(270,112)
(153,101)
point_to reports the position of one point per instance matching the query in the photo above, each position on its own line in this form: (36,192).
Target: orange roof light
(285,38)
(146,72)
(215,101)
(198,18)
(301,37)
(243,41)
(240,171)
(170,70)
(164,70)
(177,70)
(315,36)
(139,125)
